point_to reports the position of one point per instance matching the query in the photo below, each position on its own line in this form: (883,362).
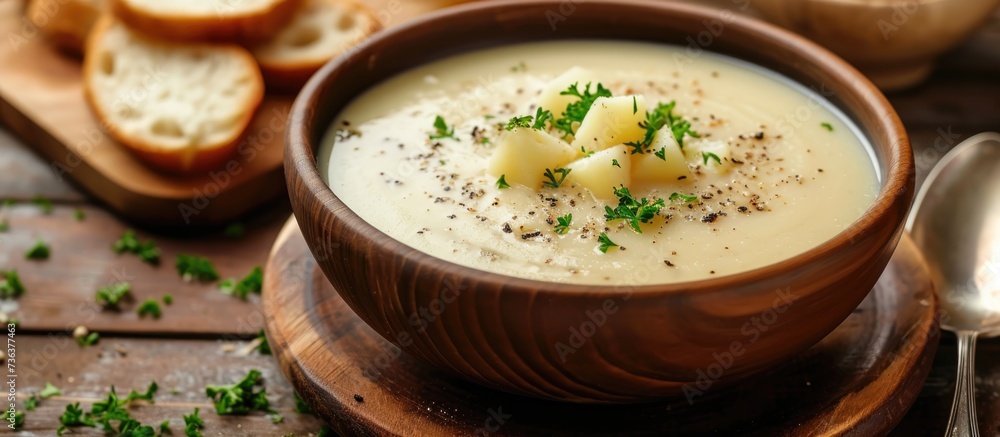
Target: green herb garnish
(563,223)
(301,406)
(110,295)
(264,348)
(502,183)
(663,115)
(10,284)
(88,340)
(39,251)
(586,152)
(615,163)
(49,390)
(519,67)
(662,153)
(441,130)
(168,299)
(147,396)
(606,243)
(632,211)
(541,116)
(31,403)
(4,224)
(79,215)
(18,419)
(44,203)
(74,416)
(165,427)
(705,156)
(577,111)
(147,252)
(635,106)
(193,268)
(193,423)
(827,126)
(682,198)
(150,307)
(552,181)
(252,283)
(517,122)
(239,398)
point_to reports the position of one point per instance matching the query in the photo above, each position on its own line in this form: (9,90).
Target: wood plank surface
(60,290)
(181,368)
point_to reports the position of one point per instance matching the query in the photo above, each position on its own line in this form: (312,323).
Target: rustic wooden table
(202,338)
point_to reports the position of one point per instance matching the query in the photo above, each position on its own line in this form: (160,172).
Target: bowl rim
(301,163)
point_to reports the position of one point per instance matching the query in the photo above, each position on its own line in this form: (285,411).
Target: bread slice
(236,21)
(179,107)
(66,23)
(320,31)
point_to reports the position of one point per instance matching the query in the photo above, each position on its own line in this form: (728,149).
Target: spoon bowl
(956,223)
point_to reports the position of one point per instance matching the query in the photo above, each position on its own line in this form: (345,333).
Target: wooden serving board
(860,380)
(41,100)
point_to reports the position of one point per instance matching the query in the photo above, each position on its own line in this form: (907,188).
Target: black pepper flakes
(358,398)
(506,228)
(531,235)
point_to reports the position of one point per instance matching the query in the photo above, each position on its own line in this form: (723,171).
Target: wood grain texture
(60,290)
(24,176)
(859,380)
(181,368)
(512,333)
(42,101)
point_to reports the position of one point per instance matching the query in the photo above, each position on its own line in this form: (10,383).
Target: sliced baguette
(321,30)
(236,21)
(66,23)
(182,108)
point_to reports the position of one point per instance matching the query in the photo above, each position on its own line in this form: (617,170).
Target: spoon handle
(962,422)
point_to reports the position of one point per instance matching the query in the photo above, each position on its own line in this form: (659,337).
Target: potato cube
(648,167)
(550,98)
(716,148)
(603,171)
(523,154)
(611,121)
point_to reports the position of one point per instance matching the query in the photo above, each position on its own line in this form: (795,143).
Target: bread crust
(244,28)
(290,76)
(66,23)
(183,160)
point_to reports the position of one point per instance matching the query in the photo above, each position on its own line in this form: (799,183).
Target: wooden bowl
(585,343)
(893,42)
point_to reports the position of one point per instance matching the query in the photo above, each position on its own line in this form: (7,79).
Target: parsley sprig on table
(240,398)
(148,252)
(193,423)
(38,252)
(10,284)
(110,296)
(632,211)
(108,411)
(577,110)
(193,268)
(150,307)
(250,284)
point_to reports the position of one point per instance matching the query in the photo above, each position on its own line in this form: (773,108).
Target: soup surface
(767,168)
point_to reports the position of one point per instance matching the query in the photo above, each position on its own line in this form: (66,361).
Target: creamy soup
(486,160)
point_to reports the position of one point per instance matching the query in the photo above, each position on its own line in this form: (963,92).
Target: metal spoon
(956,223)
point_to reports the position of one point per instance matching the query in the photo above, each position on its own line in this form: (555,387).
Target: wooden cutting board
(42,101)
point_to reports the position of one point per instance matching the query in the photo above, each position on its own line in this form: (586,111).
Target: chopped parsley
(827,126)
(264,348)
(43,203)
(586,152)
(441,130)
(517,122)
(632,211)
(536,121)
(635,106)
(301,406)
(234,230)
(606,243)
(576,111)
(165,427)
(79,215)
(615,163)
(110,295)
(563,223)
(662,153)
(502,183)
(10,284)
(150,307)
(31,403)
(705,156)
(89,339)
(18,419)
(239,398)
(193,423)
(49,390)
(552,182)
(147,252)
(660,117)
(519,67)
(682,198)
(39,251)
(277,418)
(74,416)
(147,396)
(168,299)
(4,224)
(252,283)
(193,268)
